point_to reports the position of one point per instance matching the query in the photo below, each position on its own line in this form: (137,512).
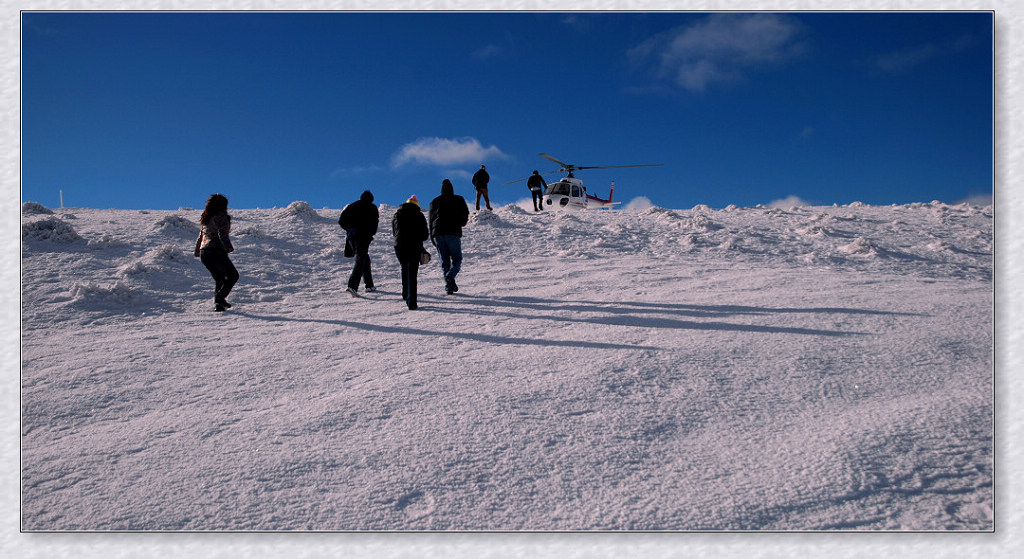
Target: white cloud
(460,173)
(444,151)
(580,23)
(719,49)
(907,59)
(788,202)
(359,170)
(489,51)
(901,61)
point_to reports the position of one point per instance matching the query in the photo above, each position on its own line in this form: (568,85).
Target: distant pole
(61,199)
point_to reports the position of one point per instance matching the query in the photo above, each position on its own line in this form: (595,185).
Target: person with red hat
(409,227)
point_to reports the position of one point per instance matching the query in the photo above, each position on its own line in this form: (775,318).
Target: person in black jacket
(537,184)
(359,220)
(448,214)
(480,180)
(410,230)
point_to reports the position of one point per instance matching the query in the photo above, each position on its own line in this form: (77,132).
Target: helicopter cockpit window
(576,192)
(559,188)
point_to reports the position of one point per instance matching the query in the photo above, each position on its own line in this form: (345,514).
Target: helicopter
(569,191)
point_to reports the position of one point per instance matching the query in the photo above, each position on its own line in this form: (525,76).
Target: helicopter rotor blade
(528,178)
(570,168)
(564,166)
(621,166)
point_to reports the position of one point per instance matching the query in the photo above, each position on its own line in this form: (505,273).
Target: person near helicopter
(480,180)
(537,184)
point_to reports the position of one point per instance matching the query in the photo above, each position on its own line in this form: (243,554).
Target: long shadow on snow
(628,315)
(630,307)
(627,318)
(461,335)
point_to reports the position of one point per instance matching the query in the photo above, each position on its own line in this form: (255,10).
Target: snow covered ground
(805,368)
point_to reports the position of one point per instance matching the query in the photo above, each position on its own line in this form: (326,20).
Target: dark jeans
(410,269)
(223,271)
(449,248)
(362,268)
(538,199)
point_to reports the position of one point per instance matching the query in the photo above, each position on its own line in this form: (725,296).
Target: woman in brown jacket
(213,246)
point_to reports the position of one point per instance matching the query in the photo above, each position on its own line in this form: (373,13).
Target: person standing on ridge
(537,184)
(447,215)
(213,246)
(359,220)
(480,180)
(410,230)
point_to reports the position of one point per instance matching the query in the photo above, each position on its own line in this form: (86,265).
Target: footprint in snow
(416,504)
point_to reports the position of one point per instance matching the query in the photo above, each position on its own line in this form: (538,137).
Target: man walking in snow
(410,230)
(359,220)
(480,180)
(447,215)
(537,184)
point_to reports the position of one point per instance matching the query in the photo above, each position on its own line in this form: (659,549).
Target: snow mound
(302,210)
(51,230)
(663,216)
(861,246)
(34,208)
(92,295)
(514,209)
(817,231)
(168,253)
(133,269)
(489,218)
(250,231)
(154,262)
(107,241)
(177,224)
(703,223)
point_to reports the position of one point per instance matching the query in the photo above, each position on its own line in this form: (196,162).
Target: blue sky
(157,110)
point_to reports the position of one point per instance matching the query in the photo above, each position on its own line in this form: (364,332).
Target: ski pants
(223,271)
